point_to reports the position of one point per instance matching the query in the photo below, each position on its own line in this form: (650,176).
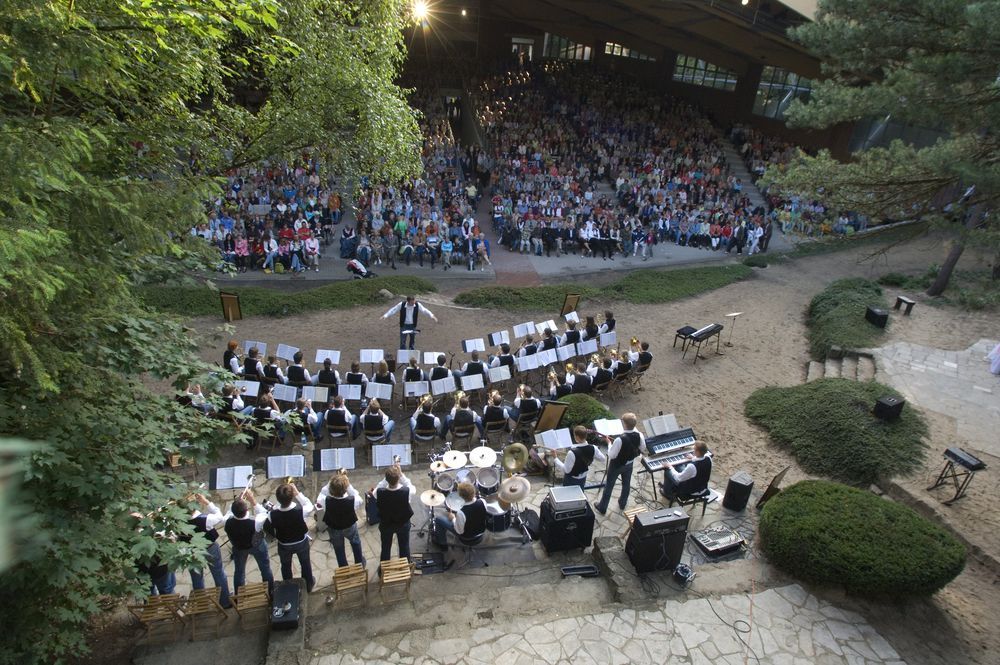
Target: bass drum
(488,481)
(444,482)
(498,516)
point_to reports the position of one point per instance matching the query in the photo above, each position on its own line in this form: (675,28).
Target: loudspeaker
(285,605)
(738,491)
(889,407)
(877,317)
(562,533)
(656,540)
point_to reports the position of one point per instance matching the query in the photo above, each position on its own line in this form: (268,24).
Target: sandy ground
(769,348)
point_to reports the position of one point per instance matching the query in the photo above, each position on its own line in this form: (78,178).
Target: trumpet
(459,394)
(426,398)
(569,368)
(614,353)
(634,341)
(552,375)
(596,359)
(494,394)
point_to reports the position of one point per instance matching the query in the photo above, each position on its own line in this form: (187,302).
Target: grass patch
(837,316)
(831,534)
(260,301)
(829,427)
(641,286)
(756,261)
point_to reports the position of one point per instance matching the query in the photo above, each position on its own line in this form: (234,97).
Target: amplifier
(286,605)
(655,523)
(889,407)
(561,534)
(662,551)
(567,498)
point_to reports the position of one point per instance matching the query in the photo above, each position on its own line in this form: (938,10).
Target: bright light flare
(420,10)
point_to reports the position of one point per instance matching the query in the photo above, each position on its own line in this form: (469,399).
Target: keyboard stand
(960,479)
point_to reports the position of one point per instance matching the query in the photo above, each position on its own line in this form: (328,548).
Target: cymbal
(455,459)
(514,490)
(431,498)
(438,466)
(482,457)
(515,456)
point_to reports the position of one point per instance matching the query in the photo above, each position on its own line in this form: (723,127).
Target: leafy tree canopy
(117,119)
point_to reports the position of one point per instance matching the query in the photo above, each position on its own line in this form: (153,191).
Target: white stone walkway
(789,626)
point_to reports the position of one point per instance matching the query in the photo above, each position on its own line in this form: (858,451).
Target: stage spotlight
(744,2)
(420,10)
(465,12)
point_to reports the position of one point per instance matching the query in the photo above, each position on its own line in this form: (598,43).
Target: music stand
(570,303)
(733,315)
(550,416)
(231,310)
(772,487)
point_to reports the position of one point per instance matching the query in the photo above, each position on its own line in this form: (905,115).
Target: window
(611,48)
(690,69)
(778,87)
(560,48)
(522,47)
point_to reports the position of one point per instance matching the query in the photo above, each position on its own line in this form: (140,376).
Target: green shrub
(831,534)
(837,316)
(756,261)
(257,301)
(583,410)
(829,427)
(893,279)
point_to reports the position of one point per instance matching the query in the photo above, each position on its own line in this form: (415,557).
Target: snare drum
(454,501)
(445,482)
(465,475)
(488,481)
(498,517)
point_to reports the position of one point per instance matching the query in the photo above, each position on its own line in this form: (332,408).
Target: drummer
(578,459)
(468,522)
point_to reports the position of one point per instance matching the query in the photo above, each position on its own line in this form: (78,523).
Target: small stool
(903,300)
(351,580)
(630,518)
(203,606)
(253,604)
(395,574)
(704,499)
(684,334)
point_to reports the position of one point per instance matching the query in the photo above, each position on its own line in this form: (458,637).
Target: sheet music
(555,438)
(609,426)
(572,316)
(470,345)
(609,338)
(547,357)
(261,348)
(565,352)
(372,355)
(284,393)
(382,454)
(403,356)
(230,477)
(443,386)
(542,326)
(282,466)
(658,425)
(323,354)
(331,459)
(252,387)
(501,373)
(524,329)
(382,391)
(416,388)
(526,363)
(286,352)
(472,382)
(586,348)
(431,357)
(499,337)
(316,394)
(349,391)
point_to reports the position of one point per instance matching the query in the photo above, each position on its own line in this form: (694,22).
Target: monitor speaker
(560,532)
(889,407)
(877,317)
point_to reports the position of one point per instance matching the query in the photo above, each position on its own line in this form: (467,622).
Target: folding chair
(160,614)
(635,377)
(350,581)
(395,575)
(203,607)
(461,433)
(253,605)
(496,434)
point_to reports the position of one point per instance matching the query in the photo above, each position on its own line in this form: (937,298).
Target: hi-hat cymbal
(482,457)
(455,459)
(514,490)
(438,466)
(431,498)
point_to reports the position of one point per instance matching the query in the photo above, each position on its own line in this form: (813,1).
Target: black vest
(262,413)
(610,325)
(493,414)
(335,417)
(440,372)
(645,357)
(340,512)
(373,422)
(355,378)
(413,374)
(528,406)
(581,383)
(473,368)
(548,344)
(475,520)
(463,418)
(250,367)
(402,314)
(582,457)
(393,507)
(383,378)
(327,377)
(563,389)
(623,368)
(271,372)
(630,447)
(199,527)
(572,336)
(602,376)
(289,525)
(506,360)
(227,358)
(425,421)
(296,374)
(530,350)
(700,482)
(240,532)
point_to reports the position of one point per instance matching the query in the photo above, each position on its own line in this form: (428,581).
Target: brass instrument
(249,487)
(426,398)
(634,341)
(494,394)
(459,394)
(614,354)
(569,368)
(552,375)
(596,359)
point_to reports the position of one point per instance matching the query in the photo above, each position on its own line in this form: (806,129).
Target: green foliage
(583,410)
(837,316)
(831,534)
(893,279)
(830,428)
(260,301)
(641,286)
(756,261)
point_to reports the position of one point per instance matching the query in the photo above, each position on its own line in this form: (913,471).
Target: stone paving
(785,625)
(955,383)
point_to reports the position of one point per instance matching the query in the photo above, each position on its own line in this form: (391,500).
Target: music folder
(572,316)
(658,425)
(261,348)
(609,426)
(229,477)
(331,459)
(472,382)
(282,466)
(524,329)
(443,386)
(382,454)
(284,393)
(526,363)
(501,373)
(499,337)
(372,355)
(547,357)
(323,354)
(416,388)
(565,352)
(431,357)
(286,352)
(403,356)
(470,345)
(586,348)
(316,394)
(555,438)
(349,391)
(382,391)
(609,338)
(542,326)
(252,387)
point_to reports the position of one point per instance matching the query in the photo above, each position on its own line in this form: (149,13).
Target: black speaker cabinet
(889,407)
(738,491)
(559,533)
(656,540)
(877,317)
(286,605)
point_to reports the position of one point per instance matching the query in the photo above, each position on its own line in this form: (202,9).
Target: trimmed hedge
(827,533)
(641,286)
(261,301)
(829,427)
(837,316)
(583,410)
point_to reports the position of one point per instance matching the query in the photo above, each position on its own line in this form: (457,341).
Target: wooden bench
(395,575)
(160,617)
(350,581)
(903,300)
(253,605)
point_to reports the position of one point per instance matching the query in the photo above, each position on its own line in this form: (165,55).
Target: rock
(386,293)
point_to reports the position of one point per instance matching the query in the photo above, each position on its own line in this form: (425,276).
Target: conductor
(409,310)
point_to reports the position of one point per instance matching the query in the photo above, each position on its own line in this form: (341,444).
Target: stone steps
(841,364)
(739,170)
